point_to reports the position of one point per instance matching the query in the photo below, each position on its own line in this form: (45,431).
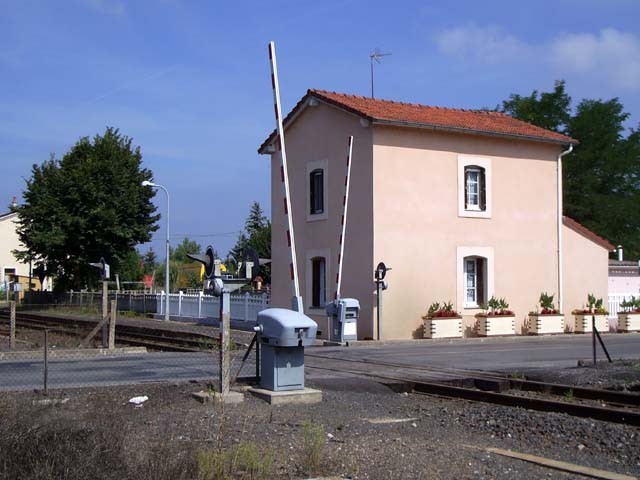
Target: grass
(313,445)
(569,394)
(244,460)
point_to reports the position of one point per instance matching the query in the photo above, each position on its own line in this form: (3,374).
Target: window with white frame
(474,186)
(475,194)
(318,282)
(474,281)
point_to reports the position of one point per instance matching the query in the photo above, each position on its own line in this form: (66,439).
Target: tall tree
(550,110)
(257,235)
(601,178)
(86,206)
(149,262)
(187,246)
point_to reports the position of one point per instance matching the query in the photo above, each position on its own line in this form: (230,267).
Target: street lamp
(147,183)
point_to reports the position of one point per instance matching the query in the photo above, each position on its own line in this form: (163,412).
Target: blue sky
(189,80)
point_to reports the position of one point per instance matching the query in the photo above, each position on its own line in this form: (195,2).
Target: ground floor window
(318,282)
(475,281)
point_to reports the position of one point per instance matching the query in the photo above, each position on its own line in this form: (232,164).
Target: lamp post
(147,183)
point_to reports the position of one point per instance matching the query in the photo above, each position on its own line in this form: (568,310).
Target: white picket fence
(244,307)
(616,299)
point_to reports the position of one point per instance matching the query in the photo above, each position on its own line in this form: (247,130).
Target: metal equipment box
(283,334)
(344,315)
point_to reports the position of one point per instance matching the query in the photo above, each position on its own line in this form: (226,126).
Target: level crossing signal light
(104,268)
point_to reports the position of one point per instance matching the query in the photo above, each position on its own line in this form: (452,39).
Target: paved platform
(520,353)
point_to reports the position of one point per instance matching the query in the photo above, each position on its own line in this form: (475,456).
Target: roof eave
(443,128)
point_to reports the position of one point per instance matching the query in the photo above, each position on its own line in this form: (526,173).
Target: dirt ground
(361,429)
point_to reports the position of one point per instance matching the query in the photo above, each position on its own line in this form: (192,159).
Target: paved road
(505,353)
(112,370)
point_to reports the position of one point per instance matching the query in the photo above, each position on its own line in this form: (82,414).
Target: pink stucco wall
(418,230)
(586,267)
(321,134)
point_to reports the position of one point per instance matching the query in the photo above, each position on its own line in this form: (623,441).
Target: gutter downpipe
(560,276)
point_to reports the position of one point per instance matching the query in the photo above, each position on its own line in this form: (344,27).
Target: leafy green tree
(601,178)
(88,205)
(131,267)
(179,254)
(550,110)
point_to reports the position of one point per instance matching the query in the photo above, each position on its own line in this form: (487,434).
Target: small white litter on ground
(138,400)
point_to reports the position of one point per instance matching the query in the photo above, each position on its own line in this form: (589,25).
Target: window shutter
(483,190)
(320,180)
(480,297)
(466,191)
(312,196)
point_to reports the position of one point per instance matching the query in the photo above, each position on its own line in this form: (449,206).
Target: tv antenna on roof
(376,55)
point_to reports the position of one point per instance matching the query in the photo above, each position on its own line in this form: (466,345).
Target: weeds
(313,446)
(243,460)
(569,394)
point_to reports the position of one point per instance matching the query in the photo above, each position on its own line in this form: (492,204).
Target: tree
(550,110)
(179,254)
(86,206)
(601,178)
(149,262)
(131,267)
(257,235)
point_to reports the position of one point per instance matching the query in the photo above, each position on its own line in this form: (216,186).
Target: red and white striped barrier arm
(284,176)
(345,204)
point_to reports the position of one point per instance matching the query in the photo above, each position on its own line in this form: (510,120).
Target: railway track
(155,339)
(616,407)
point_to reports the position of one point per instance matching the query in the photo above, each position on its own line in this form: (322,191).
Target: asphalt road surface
(494,354)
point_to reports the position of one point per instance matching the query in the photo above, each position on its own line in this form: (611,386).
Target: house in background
(461,204)
(11,270)
(624,278)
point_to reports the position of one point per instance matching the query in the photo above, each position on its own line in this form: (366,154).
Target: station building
(461,204)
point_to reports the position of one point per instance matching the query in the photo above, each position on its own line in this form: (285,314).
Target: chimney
(14,203)
(620,253)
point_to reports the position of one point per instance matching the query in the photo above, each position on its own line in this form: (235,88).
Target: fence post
(179,303)
(12,325)
(225,361)
(200,304)
(46,360)
(80,297)
(70,297)
(112,325)
(246,306)
(105,310)
(130,307)
(264,301)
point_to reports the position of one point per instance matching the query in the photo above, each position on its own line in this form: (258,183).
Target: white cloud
(610,57)
(108,7)
(484,44)
(611,54)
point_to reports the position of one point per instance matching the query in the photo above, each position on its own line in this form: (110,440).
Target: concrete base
(306,395)
(331,343)
(229,399)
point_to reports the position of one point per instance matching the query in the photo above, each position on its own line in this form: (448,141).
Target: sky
(189,80)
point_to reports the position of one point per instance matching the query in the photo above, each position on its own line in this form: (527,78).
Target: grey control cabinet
(283,334)
(343,315)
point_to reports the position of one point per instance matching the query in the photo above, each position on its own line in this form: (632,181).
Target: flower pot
(628,322)
(442,327)
(493,325)
(583,323)
(541,324)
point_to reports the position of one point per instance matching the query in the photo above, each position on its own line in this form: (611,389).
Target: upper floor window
(318,282)
(474,186)
(475,192)
(316,191)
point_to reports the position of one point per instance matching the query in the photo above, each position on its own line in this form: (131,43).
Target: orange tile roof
(414,115)
(585,232)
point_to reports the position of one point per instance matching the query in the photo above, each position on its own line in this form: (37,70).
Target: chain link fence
(59,346)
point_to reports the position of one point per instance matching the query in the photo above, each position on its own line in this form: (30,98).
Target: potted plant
(442,321)
(584,317)
(546,319)
(629,318)
(496,319)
